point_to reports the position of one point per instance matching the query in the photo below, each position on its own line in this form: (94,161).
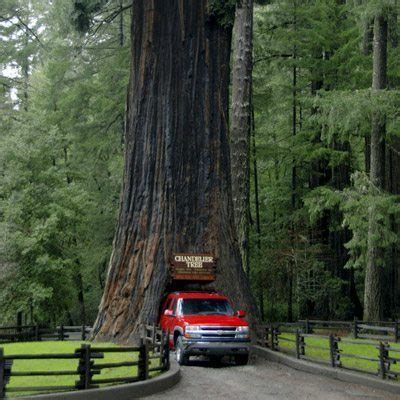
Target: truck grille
(217,332)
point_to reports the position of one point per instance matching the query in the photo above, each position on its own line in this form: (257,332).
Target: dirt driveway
(262,380)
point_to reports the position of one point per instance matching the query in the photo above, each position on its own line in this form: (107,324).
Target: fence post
(396,331)
(164,350)
(61,332)
(85,375)
(5,373)
(19,321)
(275,339)
(265,335)
(355,329)
(37,333)
(154,334)
(308,329)
(333,350)
(271,335)
(2,375)
(297,343)
(144,332)
(83,332)
(383,354)
(143,361)
(300,344)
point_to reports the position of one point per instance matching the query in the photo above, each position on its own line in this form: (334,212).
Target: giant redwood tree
(176,194)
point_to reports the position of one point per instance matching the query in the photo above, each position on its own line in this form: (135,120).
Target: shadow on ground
(205,362)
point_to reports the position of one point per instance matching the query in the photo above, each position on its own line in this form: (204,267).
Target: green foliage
(83,10)
(61,164)
(319,244)
(356,203)
(223,11)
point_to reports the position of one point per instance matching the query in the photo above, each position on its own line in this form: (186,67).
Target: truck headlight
(192,332)
(242,332)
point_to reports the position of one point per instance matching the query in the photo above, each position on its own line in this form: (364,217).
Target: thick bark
(241,123)
(121,23)
(176,194)
(373,291)
(366,48)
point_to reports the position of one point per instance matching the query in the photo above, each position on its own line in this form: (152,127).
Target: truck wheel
(242,359)
(181,355)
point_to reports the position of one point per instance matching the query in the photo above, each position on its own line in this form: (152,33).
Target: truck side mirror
(168,313)
(241,313)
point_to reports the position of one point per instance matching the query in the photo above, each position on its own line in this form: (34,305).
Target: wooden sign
(193,267)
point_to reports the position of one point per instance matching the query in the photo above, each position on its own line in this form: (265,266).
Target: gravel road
(262,380)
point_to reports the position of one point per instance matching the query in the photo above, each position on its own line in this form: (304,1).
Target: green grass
(58,365)
(362,349)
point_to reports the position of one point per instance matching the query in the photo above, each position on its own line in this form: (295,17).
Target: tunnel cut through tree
(176,194)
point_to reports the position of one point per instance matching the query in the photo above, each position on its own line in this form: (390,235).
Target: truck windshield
(206,307)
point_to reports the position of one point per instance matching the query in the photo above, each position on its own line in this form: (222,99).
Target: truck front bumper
(203,348)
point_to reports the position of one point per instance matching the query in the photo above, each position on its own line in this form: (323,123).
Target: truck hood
(217,320)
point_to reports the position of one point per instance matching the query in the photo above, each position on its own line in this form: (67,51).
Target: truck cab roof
(196,295)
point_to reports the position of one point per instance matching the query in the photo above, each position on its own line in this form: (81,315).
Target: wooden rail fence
(374,330)
(24,333)
(154,347)
(273,334)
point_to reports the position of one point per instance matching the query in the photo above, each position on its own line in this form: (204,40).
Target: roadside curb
(334,373)
(128,391)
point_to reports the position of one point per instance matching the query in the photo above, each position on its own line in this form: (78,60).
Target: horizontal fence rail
(24,333)
(152,355)
(292,338)
(374,330)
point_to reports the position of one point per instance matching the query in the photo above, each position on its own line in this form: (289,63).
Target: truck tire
(181,355)
(241,359)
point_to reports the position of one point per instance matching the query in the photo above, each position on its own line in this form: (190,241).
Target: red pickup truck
(203,323)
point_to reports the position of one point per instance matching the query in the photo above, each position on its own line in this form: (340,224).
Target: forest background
(317,213)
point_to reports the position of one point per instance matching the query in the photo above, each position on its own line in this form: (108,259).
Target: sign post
(193,267)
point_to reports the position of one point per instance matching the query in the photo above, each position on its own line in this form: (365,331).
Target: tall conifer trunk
(176,194)
(242,66)
(373,292)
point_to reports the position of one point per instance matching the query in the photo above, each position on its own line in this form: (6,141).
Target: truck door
(163,318)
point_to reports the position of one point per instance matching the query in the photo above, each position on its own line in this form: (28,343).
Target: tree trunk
(257,210)
(292,267)
(176,194)
(81,298)
(121,23)
(242,64)
(373,291)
